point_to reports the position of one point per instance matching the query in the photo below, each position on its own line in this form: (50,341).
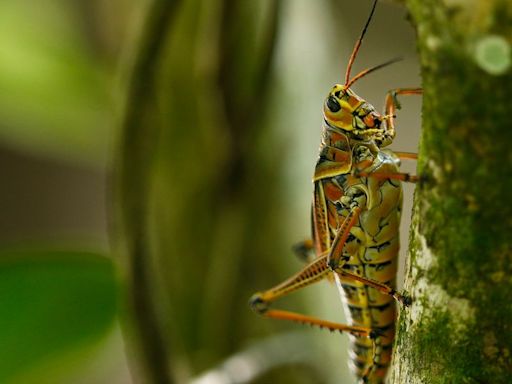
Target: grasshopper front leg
(391,105)
(367,161)
(402,176)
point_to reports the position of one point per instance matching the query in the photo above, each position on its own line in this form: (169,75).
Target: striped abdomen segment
(365,306)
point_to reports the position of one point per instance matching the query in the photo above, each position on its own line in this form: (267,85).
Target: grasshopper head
(344,110)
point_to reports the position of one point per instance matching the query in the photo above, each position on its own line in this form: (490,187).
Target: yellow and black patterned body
(353,134)
(355,218)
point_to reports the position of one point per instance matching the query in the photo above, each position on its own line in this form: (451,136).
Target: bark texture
(459,327)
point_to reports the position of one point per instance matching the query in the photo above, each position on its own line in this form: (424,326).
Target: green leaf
(52,303)
(56,99)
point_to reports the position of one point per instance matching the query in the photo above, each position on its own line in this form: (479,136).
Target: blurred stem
(133,178)
(190,171)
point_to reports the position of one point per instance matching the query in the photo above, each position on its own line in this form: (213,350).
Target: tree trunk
(459,327)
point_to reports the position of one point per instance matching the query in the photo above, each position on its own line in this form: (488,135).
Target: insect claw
(375,333)
(395,100)
(405,299)
(258,304)
(332,264)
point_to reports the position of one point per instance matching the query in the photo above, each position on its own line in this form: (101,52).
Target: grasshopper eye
(333,104)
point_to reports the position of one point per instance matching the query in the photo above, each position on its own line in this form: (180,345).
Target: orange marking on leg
(332,191)
(407,155)
(297,317)
(383,288)
(386,176)
(341,237)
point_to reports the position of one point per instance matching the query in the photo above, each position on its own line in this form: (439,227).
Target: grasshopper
(356,211)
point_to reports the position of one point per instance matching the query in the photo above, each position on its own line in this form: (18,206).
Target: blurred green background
(229,192)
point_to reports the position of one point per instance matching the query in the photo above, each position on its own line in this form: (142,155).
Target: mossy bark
(459,327)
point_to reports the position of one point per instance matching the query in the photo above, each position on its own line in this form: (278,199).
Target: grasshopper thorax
(353,116)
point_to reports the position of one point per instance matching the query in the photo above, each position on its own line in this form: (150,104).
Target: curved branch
(133,179)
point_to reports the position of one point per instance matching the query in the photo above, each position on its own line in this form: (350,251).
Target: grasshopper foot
(258,304)
(404,299)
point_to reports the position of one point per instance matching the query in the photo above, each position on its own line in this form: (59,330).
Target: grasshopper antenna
(370,70)
(357,45)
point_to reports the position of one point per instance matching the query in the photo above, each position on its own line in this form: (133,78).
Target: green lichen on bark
(459,329)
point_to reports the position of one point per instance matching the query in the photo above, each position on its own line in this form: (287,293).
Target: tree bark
(459,327)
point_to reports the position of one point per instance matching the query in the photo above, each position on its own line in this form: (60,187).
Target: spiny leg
(323,324)
(392,100)
(381,287)
(314,272)
(402,176)
(336,260)
(406,155)
(392,104)
(336,253)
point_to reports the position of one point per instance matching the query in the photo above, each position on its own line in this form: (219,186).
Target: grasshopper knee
(405,299)
(258,304)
